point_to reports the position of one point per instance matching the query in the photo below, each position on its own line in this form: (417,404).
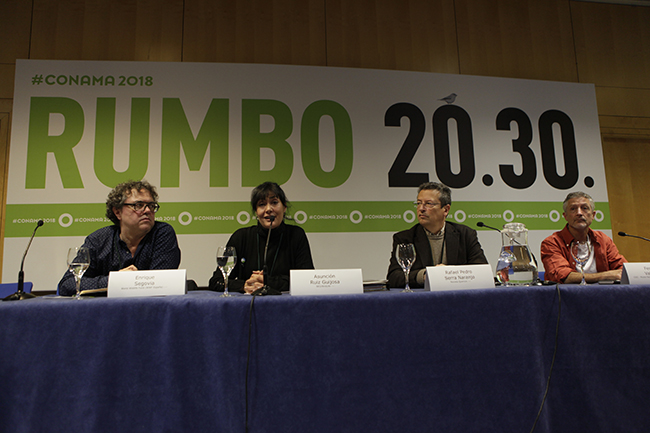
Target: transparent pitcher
(516,266)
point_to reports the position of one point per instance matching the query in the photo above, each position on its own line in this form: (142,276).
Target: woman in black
(288,247)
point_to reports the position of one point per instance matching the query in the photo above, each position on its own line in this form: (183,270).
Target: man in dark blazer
(437,241)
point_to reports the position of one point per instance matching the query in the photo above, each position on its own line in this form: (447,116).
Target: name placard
(461,277)
(160,282)
(636,273)
(325,282)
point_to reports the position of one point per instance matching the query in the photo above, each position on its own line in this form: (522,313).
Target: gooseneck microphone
(623,234)
(266,290)
(480,224)
(20,294)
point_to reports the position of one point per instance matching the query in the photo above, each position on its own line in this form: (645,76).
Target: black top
(288,249)
(463,248)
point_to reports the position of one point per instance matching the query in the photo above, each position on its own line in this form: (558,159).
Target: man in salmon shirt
(605,262)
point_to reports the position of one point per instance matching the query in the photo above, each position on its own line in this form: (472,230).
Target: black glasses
(139,206)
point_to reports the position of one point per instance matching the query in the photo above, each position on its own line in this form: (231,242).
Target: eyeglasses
(427,204)
(139,206)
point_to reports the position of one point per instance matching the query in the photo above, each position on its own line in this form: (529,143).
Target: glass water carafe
(516,266)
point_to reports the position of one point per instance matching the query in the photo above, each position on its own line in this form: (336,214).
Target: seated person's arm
(234,284)
(395,274)
(475,254)
(93,278)
(166,253)
(576,277)
(67,285)
(235,279)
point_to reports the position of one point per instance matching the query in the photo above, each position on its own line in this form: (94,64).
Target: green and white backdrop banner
(348,146)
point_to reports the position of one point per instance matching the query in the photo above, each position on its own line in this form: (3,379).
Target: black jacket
(461,242)
(288,249)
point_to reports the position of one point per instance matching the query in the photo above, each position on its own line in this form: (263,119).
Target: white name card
(459,277)
(636,273)
(160,282)
(325,282)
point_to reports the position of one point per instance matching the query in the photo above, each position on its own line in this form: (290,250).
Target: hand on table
(255,282)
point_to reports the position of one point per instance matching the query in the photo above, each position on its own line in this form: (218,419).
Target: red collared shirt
(558,263)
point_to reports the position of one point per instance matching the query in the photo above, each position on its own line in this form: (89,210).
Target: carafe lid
(514,228)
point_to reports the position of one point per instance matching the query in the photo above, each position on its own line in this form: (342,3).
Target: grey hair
(578,194)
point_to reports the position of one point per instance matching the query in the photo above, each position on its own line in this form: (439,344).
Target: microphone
(266,290)
(20,294)
(623,234)
(480,224)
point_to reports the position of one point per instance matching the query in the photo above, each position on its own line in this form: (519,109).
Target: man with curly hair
(135,241)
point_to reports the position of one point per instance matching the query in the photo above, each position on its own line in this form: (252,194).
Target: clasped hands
(255,282)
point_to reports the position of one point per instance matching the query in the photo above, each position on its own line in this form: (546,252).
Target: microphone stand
(623,234)
(480,224)
(265,289)
(20,294)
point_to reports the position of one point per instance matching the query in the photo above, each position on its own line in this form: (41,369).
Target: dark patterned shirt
(157,250)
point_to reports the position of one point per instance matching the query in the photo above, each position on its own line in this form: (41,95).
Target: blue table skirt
(460,361)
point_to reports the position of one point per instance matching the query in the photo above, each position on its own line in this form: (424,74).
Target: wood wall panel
(625,126)
(5,130)
(15,24)
(107,30)
(612,44)
(255,31)
(414,35)
(516,38)
(621,101)
(628,178)
(4,158)
(6,105)
(7,74)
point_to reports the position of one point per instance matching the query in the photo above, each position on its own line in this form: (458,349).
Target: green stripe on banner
(315,217)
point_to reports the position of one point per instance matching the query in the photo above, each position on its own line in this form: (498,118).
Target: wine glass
(581,251)
(78,262)
(405,254)
(226,258)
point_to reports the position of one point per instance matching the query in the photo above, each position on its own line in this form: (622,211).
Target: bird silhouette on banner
(449,99)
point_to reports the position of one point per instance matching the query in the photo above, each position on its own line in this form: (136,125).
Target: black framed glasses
(139,206)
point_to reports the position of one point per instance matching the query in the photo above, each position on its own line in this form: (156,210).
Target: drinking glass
(78,262)
(581,251)
(226,258)
(405,254)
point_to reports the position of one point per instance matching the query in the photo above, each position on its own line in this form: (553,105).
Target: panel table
(457,361)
